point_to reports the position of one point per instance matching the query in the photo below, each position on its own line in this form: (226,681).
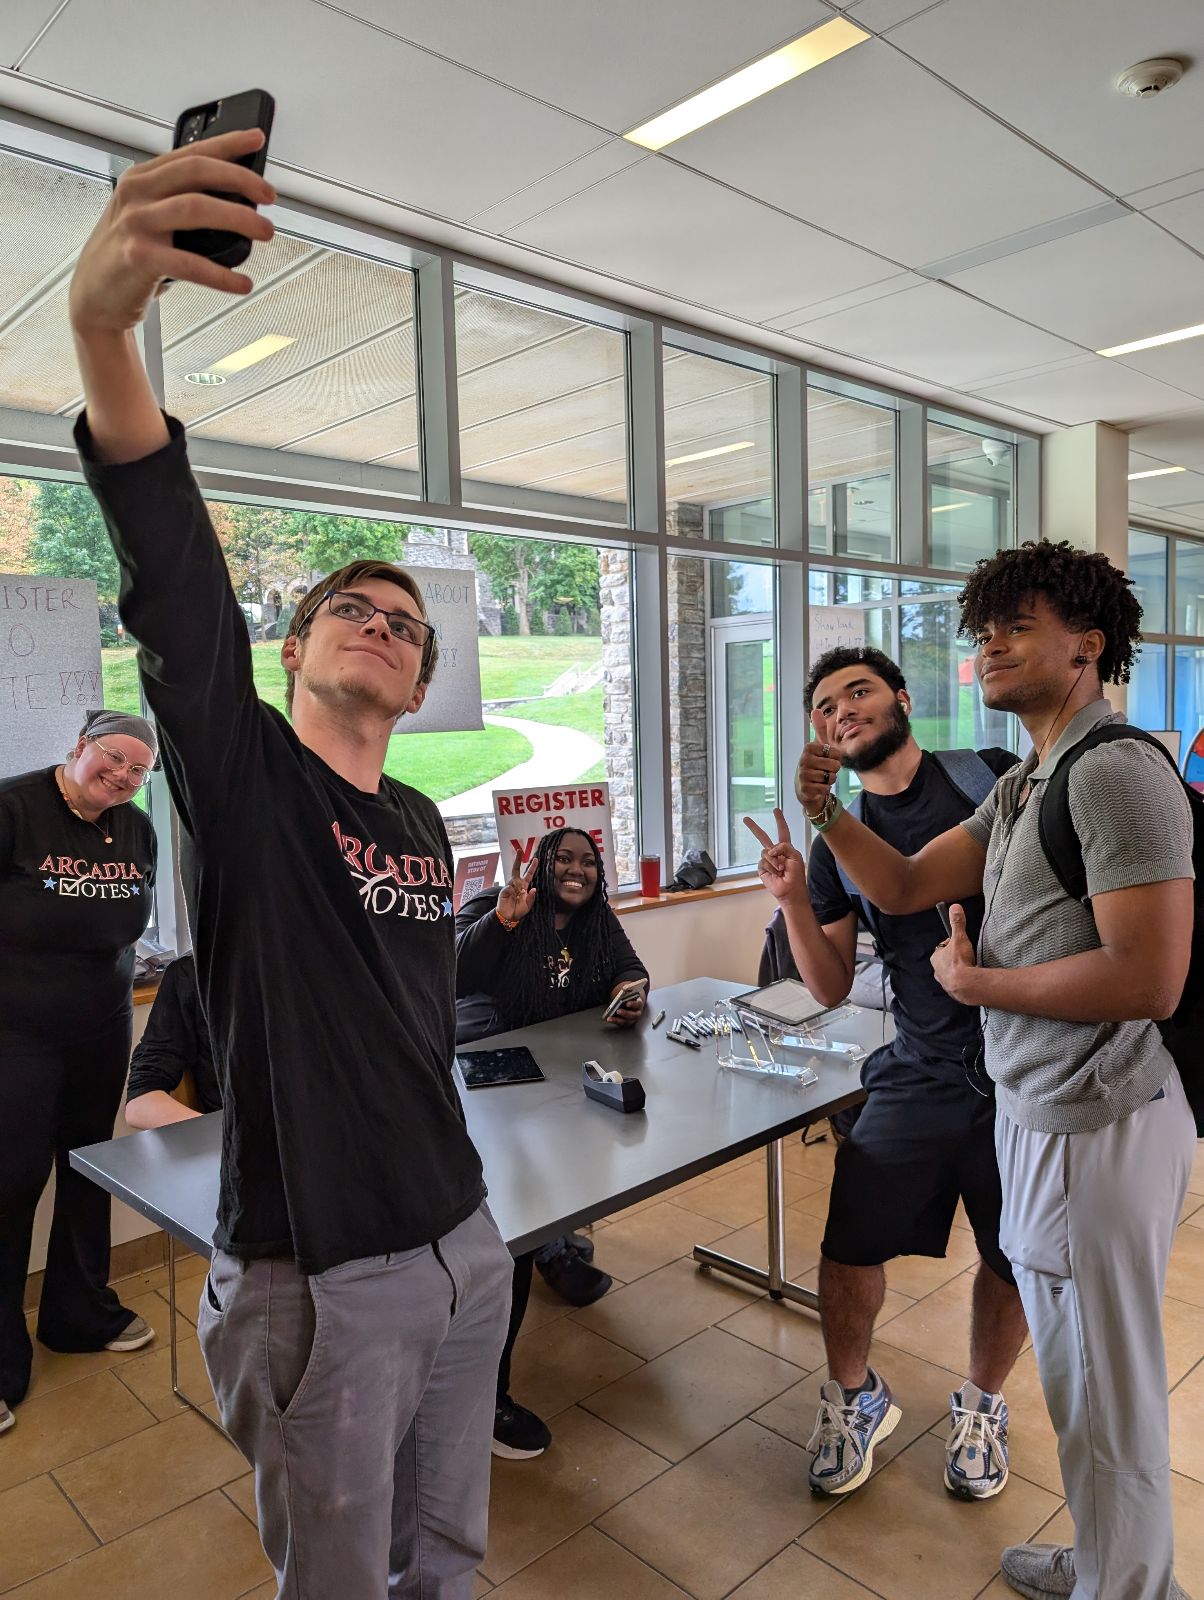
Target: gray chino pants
(363,1397)
(1088,1223)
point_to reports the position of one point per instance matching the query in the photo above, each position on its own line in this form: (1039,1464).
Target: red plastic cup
(650,877)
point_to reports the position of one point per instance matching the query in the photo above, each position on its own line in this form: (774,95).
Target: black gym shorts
(919,1144)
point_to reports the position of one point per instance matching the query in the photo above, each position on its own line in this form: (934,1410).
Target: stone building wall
(618,703)
(688,722)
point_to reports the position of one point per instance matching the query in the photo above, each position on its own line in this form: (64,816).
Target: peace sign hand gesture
(517,898)
(781,868)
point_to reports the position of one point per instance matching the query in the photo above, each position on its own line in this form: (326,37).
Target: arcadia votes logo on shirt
(412,886)
(77,878)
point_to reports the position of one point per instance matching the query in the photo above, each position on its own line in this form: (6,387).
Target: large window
(543,411)
(970,481)
(1166,690)
(719,474)
(851,476)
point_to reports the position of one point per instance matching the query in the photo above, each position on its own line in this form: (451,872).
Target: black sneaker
(573,1278)
(582,1244)
(518,1434)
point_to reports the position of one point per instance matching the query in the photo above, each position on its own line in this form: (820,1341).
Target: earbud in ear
(1080,661)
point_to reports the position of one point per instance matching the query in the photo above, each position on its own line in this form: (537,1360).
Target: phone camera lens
(192,128)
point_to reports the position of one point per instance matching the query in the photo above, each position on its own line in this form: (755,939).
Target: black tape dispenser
(612,1088)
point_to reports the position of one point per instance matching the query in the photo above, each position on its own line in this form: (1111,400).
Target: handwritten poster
(832,626)
(524,814)
(49,667)
(453,700)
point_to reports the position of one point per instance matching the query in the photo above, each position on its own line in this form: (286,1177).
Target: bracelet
(506,922)
(827,815)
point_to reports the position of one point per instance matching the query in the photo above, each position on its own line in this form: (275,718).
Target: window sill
(626,904)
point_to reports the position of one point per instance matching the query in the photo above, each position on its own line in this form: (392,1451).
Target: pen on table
(658,1019)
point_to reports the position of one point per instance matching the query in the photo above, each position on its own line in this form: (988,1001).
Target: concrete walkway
(558,756)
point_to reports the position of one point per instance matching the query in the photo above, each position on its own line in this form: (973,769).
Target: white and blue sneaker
(976,1454)
(846,1433)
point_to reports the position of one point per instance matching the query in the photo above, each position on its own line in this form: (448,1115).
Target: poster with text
(474,874)
(453,699)
(833,626)
(49,667)
(524,814)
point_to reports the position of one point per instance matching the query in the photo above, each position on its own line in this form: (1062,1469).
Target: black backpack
(1184,1031)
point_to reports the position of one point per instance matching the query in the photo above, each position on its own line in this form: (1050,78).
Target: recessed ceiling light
(204,378)
(954,505)
(1155,472)
(705,455)
(791,61)
(1157,339)
(250,354)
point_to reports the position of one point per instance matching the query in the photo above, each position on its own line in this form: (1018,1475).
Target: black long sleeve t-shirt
(321,919)
(175,1041)
(482,947)
(72,908)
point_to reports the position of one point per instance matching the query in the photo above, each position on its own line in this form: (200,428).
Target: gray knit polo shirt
(1135,827)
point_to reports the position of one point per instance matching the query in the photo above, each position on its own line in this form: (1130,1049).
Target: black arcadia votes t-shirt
(72,908)
(321,920)
(930,1028)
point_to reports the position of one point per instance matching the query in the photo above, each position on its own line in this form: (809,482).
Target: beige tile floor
(680,1406)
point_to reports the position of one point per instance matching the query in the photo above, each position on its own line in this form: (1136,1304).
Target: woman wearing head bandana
(77,867)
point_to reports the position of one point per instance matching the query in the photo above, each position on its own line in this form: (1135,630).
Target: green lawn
(581,711)
(513,669)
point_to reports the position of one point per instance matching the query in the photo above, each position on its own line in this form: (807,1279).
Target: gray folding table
(554,1159)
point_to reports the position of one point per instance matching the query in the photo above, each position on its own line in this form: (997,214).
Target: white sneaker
(7,1420)
(134,1337)
(976,1453)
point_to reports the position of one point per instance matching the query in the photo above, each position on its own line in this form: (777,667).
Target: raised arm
(950,867)
(824,953)
(125,264)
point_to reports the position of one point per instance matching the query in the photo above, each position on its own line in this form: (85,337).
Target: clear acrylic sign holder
(748,1043)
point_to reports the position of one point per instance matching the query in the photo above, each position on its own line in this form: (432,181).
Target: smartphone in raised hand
(254,108)
(628,992)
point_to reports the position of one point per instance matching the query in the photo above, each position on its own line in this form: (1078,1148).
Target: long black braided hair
(527,991)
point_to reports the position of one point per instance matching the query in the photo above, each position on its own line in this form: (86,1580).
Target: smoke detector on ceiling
(1149,78)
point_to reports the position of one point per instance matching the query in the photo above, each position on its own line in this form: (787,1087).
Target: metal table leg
(173,1342)
(775,1279)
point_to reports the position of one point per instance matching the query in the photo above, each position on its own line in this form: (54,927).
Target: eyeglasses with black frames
(357,609)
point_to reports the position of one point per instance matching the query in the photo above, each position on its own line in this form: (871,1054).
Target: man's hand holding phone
(132,249)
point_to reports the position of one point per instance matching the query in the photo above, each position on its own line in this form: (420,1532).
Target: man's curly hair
(1082,587)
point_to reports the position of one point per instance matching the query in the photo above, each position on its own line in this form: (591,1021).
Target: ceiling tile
(1181,365)
(352,103)
(574,178)
(19,24)
(897,282)
(880,15)
(1123,280)
(1094,390)
(934,331)
(1179,439)
(617,64)
(1173,189)
(1049,70)
(916,172)
(1177,489)
(667,228)
(1183,217)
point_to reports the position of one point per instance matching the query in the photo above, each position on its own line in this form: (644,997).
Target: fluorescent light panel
(705,455)
(781,66)
(251,354)
(1151,343)
(1155,472)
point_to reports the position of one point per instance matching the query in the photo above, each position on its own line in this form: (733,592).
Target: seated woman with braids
(545,944)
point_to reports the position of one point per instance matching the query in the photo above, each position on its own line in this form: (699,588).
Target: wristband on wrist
(827,815)
(509,923)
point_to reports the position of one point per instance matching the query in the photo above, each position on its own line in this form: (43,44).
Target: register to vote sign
(49,667)
(523,815)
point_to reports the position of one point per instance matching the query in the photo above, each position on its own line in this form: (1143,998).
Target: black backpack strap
(862,909)
(968,773)
(1055,824)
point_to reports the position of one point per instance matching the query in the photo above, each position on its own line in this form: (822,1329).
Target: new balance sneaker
(133,1337)
(1046,1572)
(7,1420)
(976,1452)
(518,1434)
(572,1277)
(847,1432)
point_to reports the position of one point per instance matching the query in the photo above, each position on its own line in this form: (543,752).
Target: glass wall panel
(719,468)
(970,496)
(851,448)
(1147,688)
(543,411)
(319,360)
(1189,587)
(722,704)
(1147,568)
(1189,695)
(46,214)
